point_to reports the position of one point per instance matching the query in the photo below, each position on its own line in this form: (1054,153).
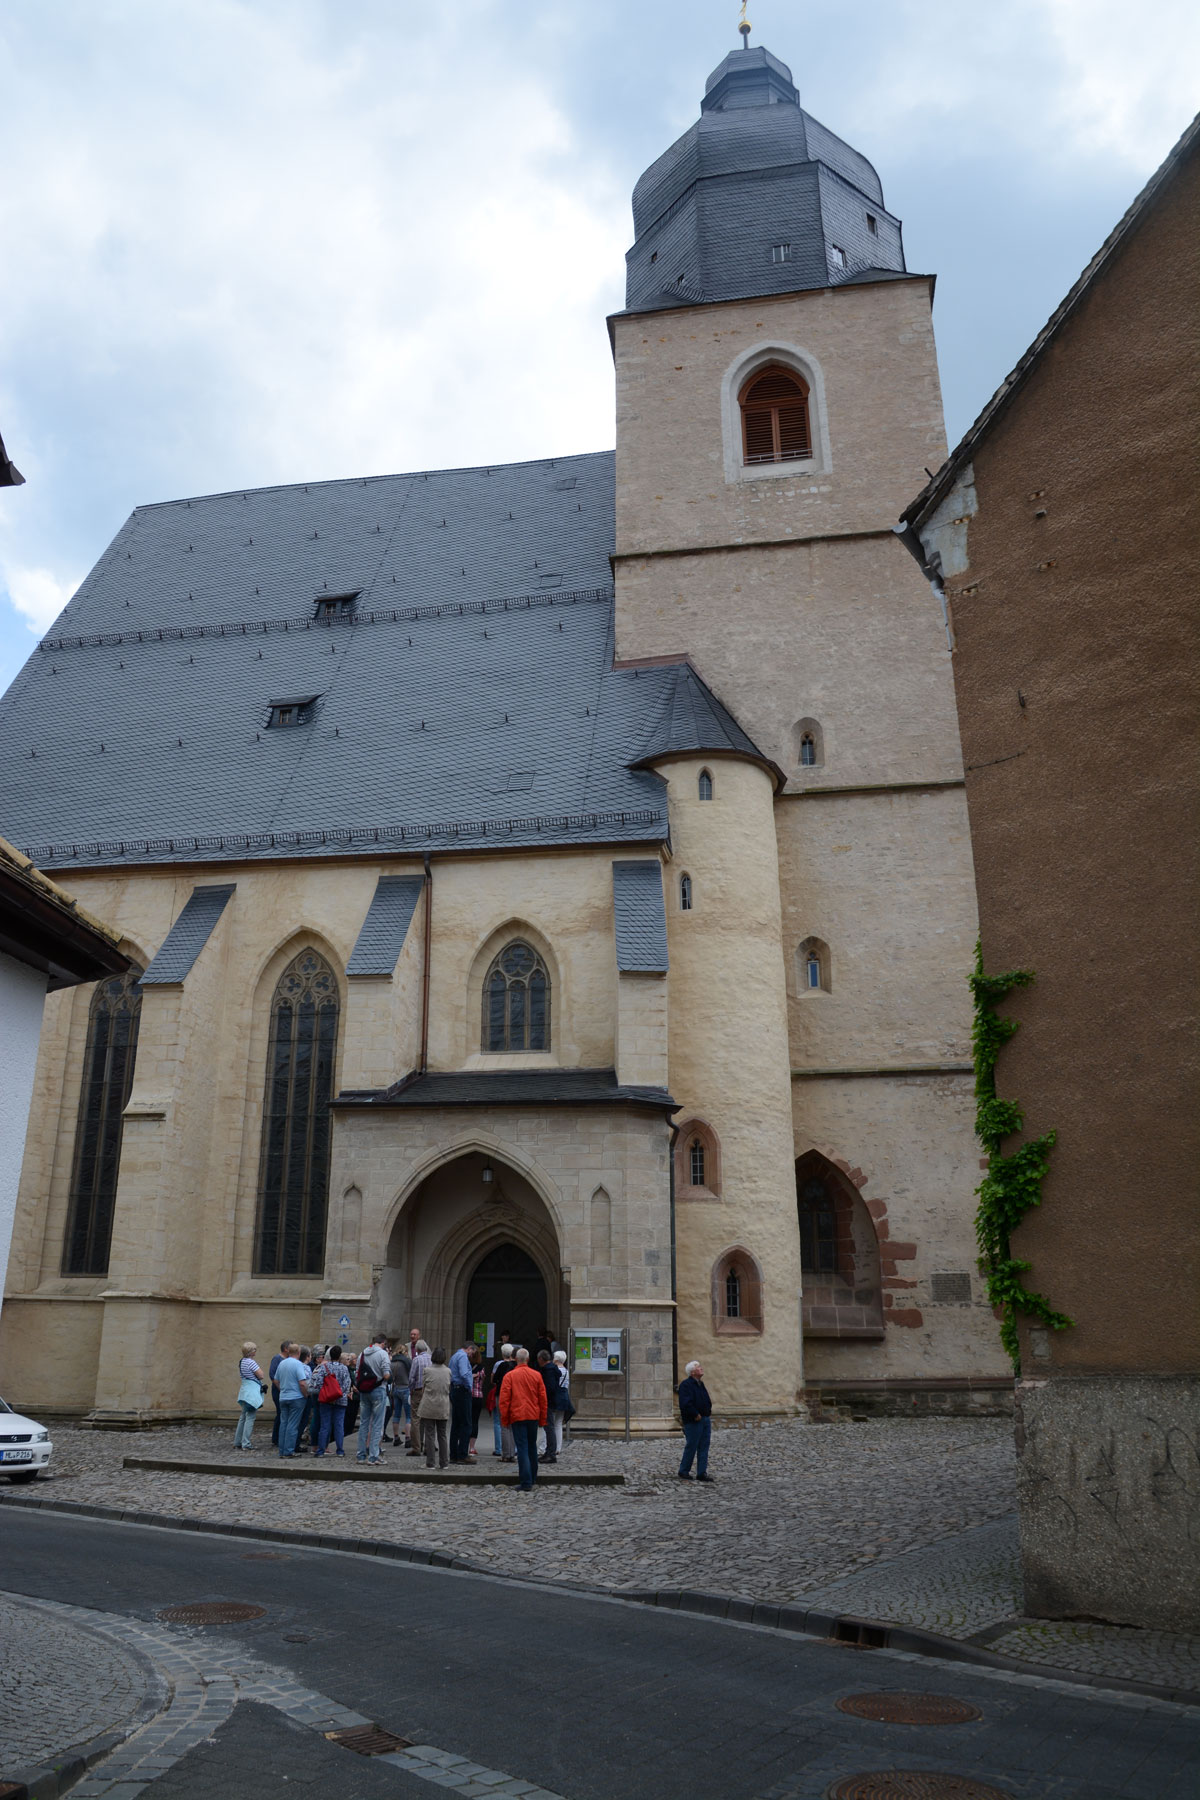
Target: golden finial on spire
(745,27)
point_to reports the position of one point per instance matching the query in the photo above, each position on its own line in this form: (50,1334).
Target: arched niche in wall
(697,1162)
(737,1294)
(808,744)
(814,967)
(839,1254)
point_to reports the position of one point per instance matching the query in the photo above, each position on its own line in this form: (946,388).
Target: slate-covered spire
(756,198)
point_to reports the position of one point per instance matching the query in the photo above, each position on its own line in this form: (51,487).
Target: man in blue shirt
(462,1376)
(371,1378)
(695,1412)
(271,1374)
(293,1377)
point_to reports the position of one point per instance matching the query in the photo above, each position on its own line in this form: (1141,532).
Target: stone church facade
(548,887)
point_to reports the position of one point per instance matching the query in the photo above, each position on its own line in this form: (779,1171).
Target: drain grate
(914,1784)
(909,1709)
(369,1740)
(212,1612)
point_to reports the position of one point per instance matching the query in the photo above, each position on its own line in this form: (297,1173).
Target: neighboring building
(508,945)
(47,942)
(10,475)
(1066,532)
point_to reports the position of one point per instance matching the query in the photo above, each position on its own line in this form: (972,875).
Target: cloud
(39,595)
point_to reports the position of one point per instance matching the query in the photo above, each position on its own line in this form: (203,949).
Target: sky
(247,242)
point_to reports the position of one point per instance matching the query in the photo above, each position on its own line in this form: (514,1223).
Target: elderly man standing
(371,1379)
(292,1376)
(462,1377)
(523,1410)
(695,1412)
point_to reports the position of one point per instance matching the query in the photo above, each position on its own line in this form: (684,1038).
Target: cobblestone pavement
(1160,1657)
(207,1679)
(59,1688)
(795,1506)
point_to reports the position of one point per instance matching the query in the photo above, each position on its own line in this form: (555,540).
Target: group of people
(412,1397)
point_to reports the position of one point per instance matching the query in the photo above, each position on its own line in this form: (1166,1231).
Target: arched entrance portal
(507,1291)
(475,1244)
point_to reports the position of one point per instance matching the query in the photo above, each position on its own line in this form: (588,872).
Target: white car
(24,1445)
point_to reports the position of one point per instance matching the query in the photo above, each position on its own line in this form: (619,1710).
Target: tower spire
(745,27)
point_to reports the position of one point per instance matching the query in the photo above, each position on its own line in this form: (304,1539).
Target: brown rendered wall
(1083,800)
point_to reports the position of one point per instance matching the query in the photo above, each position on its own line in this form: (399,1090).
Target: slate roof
(10,475)
(385,927)
(753,172)
(188,935)
(470,701)
(513,1087)
(691,721)
(640,917)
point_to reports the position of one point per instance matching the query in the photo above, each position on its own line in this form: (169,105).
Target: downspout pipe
(674,1284)
(425,971)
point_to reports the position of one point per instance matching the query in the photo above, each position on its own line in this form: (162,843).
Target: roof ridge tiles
(345,481)
(307,622)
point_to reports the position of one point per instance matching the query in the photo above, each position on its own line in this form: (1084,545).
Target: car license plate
(17,1455)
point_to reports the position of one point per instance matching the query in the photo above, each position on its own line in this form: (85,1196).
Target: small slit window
(696,1161)
(685,893)
(775,421)
(516,1001)
(837,256)
(737,1294)
(781,253)
(812,970)
(812,967)
(733,1293)
(336,606)
(705,785)
(808,751)
(872,225)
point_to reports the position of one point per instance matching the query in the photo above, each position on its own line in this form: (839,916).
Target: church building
(548,887)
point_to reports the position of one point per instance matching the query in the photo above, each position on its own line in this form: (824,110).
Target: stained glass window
(516,1001)
(294,1181)
(108,1062)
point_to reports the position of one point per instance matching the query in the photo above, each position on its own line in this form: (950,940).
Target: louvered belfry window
(108,1063)
(294,1180)
(775,424)
(516,1001)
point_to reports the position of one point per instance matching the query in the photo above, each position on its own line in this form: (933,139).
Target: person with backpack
(371,1379)
(506,1447)
(331,1388)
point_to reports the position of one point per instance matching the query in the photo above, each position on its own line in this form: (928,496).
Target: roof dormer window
(837,256)
(296,711)
(336,606)
(781,253)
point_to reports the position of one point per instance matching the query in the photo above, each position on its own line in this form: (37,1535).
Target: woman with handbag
(331,1387)
(252,1390)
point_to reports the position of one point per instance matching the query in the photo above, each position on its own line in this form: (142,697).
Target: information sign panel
(598,1352)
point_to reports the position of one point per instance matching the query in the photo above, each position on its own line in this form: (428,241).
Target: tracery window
(775,423)
(808,750)
(685,893)
(818,1227)
(293,1196)
(108,1064)
(516,1001)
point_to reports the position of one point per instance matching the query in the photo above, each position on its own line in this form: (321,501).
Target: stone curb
(311,1469)
(838,1628)
(57,1778)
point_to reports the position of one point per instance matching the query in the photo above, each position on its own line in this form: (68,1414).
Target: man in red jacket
(523,1410)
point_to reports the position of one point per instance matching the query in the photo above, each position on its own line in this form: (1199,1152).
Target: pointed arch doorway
(507,1290)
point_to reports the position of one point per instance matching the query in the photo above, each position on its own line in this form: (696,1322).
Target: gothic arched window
(294,1181)
(705,785)
(685,893)
(108,1063)
(737,1294)
(516,1001)
(696,1161)
(808,751)
(812,967)
(775,424)
(733,1293)
(818,1225)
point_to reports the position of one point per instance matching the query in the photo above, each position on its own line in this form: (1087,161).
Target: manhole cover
(909,1709)
(212,1612)
(914,1784)
(369,1740)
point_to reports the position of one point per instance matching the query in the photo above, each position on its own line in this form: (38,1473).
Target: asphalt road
(590,1698)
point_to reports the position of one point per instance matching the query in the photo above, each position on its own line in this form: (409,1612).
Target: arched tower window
(108,1063)
(705,785)
(685,893)
(808,744)
(737,1295)
(813,968)
(775,422)
(697,1162)
(516,1001)
(294,1177)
